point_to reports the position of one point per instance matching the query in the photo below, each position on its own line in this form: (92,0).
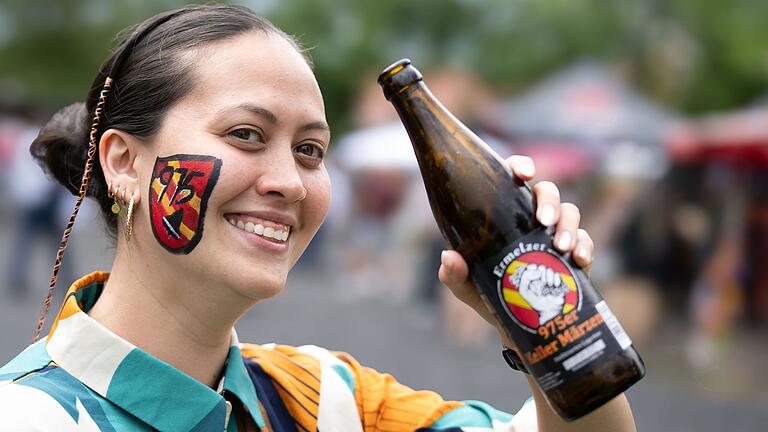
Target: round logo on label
(537,287)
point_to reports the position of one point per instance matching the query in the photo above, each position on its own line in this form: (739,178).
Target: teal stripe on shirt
(34,357)
(346,375)
(170,388)
(472,414)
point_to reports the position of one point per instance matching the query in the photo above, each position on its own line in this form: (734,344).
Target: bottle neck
(418,107)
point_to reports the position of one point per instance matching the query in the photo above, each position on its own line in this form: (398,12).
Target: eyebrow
(318,125)
(255,109)
(272,118)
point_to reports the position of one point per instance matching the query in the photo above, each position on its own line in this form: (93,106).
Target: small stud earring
(115,205)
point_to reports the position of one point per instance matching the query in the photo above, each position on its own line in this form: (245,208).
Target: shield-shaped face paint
(178,195)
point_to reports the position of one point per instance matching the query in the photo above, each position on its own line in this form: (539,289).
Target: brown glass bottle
(565,334)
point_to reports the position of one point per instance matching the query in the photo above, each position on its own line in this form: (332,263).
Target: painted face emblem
(178,195)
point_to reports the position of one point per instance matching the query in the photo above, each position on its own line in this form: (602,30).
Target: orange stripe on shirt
(295,378)
(70,306)
(387,405)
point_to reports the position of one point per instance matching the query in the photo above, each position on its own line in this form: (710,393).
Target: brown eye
(313,151)
(246,135)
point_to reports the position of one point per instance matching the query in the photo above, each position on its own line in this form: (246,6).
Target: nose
(280,177)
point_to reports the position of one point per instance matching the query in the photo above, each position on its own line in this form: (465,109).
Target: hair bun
(61,147)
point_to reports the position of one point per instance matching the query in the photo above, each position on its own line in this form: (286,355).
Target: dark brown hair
(152,75)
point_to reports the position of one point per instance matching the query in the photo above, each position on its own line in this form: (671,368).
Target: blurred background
(651,115)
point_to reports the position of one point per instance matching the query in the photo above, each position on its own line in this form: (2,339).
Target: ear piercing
(112,194)
(119,204)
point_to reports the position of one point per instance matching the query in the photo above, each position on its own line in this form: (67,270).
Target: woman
(208,140)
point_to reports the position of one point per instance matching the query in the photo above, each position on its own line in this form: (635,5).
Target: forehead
(255,68)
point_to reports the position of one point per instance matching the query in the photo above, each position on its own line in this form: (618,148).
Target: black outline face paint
(178,197)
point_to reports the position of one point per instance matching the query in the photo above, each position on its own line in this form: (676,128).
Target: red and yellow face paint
(178,196)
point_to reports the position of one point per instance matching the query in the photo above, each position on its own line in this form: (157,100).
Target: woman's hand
(454,272)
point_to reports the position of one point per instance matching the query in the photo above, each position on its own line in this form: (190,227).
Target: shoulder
(37,395)
(29,408)
(34,357)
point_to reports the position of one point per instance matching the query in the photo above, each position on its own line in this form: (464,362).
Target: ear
(117,155)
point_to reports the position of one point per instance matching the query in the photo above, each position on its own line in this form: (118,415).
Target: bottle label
(550,309)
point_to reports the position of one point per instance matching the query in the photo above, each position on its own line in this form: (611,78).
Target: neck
(174,319)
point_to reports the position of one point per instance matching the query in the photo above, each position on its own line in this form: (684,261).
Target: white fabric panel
(27,409)
(80,343)
(233,339)
(524,421)
(338,410)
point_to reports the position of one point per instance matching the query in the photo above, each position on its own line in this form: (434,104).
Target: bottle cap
(398,77)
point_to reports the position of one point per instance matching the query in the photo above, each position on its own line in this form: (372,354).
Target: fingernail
(444,260)
(582,253)
(564,241)
(526,169)
(547,215)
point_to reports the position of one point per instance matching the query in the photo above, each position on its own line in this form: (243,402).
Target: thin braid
(120,57)
(81,195)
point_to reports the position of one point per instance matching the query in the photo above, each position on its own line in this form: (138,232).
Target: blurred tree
(694,54)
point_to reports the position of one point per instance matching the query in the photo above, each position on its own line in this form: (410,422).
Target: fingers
(567,225)
(522,167)
(568,236)
(584,252)
(549,211)
(548,202)
(454,273)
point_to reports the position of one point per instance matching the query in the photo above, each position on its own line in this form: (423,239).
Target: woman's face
(256,107)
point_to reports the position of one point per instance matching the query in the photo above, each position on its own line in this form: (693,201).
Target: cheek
(318,202)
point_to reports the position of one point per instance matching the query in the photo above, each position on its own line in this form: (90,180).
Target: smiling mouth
(261,227)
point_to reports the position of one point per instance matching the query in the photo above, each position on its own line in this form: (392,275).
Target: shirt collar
(145,386)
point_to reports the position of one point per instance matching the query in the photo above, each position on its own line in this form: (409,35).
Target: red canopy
(739,138)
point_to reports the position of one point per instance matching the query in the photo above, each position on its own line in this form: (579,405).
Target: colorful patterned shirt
(83,377)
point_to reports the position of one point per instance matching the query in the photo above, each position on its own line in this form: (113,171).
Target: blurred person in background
(35,204)
(227,126)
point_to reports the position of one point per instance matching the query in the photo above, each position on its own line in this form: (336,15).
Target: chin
(262,287)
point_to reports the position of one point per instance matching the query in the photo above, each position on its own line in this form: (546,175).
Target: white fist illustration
(543,289)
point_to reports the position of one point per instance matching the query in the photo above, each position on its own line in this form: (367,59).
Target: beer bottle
(566,335)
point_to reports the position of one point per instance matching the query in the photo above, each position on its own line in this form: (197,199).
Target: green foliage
(697,55)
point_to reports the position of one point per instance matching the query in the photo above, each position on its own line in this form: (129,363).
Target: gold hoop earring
(129,220)
(109,190)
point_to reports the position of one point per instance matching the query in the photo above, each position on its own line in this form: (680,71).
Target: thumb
(454,273)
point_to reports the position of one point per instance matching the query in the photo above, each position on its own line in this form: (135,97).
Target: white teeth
(260,229)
